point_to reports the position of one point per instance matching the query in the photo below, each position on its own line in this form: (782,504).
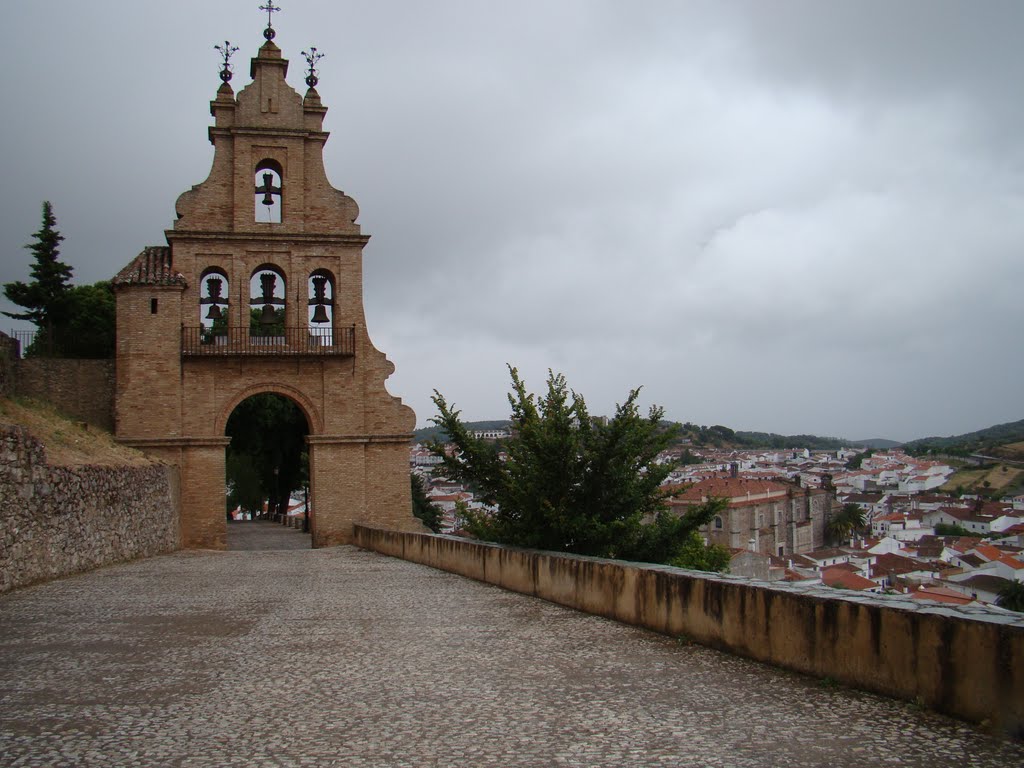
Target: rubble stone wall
(8,354)
(55,521)
(82,390)
(965,661)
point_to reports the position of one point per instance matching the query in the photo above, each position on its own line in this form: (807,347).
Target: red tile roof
(843,579)
(151,267)
(941,595)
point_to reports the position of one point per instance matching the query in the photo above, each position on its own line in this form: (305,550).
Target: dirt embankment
(68,443)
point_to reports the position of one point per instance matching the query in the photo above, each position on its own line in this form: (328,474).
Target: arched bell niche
(320,313)
(214,301)
(267,291)
(269,194)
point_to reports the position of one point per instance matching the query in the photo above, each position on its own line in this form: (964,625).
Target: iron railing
(22,340)
(301,341)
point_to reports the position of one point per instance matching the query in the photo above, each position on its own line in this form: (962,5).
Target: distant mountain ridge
(722,437)
(982,439)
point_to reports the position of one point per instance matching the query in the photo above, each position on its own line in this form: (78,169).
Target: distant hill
(982,440)
(772,440)
(878,443)
(427,434)
(717,436)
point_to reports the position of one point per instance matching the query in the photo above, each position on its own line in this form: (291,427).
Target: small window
(718,523)
(152,306)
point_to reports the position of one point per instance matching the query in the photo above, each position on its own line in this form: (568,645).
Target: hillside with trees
(990,440)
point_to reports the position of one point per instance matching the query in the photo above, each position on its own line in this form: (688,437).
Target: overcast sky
(796,217)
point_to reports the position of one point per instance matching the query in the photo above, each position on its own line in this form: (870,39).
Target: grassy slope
(999,477)
(68,443)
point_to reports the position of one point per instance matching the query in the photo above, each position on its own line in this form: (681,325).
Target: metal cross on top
(271,9)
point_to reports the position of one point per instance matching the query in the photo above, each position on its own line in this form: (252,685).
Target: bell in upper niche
(268,185)
(214,313)
(268,189)
(267,315)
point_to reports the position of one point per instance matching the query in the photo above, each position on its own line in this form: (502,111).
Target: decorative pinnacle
(271,9)
(226,51)
(312,57)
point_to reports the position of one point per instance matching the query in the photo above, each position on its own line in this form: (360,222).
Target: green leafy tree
(267,447)
(45,297)
(673,539)
(72,321)
(1011,596)
(422,508)
(856,461)
(89,330)
(697,555)
(570,483)
(951,529)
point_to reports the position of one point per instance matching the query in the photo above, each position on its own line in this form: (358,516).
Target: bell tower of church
(260,289)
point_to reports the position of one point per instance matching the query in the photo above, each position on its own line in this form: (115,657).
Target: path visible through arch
(340,657)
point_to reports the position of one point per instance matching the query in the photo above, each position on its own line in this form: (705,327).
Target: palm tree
(850,519)
(1011,596)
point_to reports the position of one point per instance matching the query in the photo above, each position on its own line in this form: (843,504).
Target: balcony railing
(289,342)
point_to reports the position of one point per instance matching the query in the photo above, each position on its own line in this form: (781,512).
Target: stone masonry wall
(966,661)
(82,390)
(8,355)
(56,521)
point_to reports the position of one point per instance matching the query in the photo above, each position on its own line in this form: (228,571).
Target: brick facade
(175,391)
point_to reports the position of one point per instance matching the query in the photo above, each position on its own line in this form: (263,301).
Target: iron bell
(320,314)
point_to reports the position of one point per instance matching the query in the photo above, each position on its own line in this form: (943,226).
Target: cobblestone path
(341,657)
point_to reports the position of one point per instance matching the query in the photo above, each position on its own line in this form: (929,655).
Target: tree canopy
(850,519)
(44,298)
(422,508)
(568,482)
(1011,596)
(72,321)
(267,457)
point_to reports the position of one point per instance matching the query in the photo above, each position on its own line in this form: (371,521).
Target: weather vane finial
(271,9)
(312,57)
(225,51)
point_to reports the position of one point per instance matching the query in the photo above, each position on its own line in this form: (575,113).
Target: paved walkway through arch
(340,657)
(264,535)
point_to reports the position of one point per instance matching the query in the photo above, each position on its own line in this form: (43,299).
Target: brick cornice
(264,237)
(405,437)
(174,442)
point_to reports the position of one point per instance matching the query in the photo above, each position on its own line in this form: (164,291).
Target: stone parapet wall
(965,661)
(56,521)
(82,390)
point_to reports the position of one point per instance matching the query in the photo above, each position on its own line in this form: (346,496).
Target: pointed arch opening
(269,192)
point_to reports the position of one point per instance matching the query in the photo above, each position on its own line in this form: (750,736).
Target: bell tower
(260,289)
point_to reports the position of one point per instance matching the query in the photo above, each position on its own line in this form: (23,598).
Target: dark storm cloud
(782,216)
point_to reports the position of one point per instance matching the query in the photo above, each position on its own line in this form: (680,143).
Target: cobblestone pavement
(263,535)
(340,657)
